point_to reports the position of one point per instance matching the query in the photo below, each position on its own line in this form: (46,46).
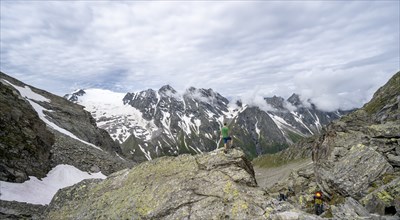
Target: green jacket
(225,132)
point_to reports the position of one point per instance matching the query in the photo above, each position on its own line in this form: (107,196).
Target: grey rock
(84,157)
(208,186)
(394,160)
(350,209)
(24,141)
(384,199)
(352,174)
(20,210)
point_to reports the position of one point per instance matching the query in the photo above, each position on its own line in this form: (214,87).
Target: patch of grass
(387,178)
(294,136)
(272,160)
(337,199)
(384,95)
(269,160)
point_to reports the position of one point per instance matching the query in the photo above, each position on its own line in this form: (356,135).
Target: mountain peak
(74,96)
(275,101)
(79,92)
(294,99)
(167,90)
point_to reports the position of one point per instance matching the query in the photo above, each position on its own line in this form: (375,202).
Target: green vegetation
(294,136)
(388,177)
(275,148)
(272,160)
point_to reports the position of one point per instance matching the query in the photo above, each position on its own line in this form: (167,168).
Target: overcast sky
(336,53)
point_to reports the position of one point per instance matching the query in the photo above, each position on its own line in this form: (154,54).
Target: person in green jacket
(225,136)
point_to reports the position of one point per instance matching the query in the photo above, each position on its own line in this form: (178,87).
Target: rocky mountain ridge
(152,123)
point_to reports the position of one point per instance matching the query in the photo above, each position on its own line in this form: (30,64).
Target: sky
(335,53)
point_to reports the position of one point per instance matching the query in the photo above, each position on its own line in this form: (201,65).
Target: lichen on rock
(208,186)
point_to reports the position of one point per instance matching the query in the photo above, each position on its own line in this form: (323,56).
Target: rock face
(385,199)
(355,151)
(207,186)
(25,143)
(40,130)
(152,123)
(257,139)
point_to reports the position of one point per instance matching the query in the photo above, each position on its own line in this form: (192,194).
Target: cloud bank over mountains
(335,54)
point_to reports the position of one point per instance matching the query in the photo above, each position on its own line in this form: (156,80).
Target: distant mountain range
(150,124)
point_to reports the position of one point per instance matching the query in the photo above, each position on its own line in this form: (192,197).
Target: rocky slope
(360,154)
(151,123)
(207,186)
(25,143)
(40,130)
(356,161)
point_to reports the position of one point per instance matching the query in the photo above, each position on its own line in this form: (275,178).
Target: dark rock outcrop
(24,141)
(20,210)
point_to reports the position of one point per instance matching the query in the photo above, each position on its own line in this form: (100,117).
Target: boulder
(394,160)
(352,174)
(208,186)
(350,209)
(20,210)
(385,200)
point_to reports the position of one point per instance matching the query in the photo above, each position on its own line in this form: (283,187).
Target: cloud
(336,54)
(255,98)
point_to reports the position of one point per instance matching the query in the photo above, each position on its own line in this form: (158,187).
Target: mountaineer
(226,137)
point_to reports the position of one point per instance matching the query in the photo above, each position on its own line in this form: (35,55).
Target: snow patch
(37,191)
(185,124)
(299,120)
(257,129)
(146,153)
(119,156)
(26,92)
(280,122)
(197,122)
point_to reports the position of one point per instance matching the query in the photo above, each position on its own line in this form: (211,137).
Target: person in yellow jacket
(318,203)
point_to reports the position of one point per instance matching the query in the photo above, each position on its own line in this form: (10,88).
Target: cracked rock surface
(208,186)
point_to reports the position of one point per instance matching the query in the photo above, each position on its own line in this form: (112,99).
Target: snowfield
(41,192)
